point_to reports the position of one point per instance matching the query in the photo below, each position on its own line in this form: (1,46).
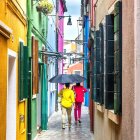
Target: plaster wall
(105,128)
(102,9)
(125,129)
(137,67)
(128,70)
(12,17)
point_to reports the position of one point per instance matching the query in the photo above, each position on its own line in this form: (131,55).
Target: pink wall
(137,66)
(60,37)
(128,70)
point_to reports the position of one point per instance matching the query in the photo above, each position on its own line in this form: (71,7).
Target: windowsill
(100,107)
(34,96)
(22,100)
(113,117)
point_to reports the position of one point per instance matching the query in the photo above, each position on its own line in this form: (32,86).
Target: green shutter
(92,70)
(44,105)
(101,35)
(23,72)
(118,58)
(96,91)
(109,62)
(26,72)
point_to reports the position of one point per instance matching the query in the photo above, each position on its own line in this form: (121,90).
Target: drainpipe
(56,62)
(86,34)
(29,28)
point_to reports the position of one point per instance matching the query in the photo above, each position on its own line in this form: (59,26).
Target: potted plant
(45,6)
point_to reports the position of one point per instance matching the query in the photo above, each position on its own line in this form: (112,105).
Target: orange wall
(3,86)
(77,66)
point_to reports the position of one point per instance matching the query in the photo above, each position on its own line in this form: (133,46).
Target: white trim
(34,96)
(11,96)
(32,35)
(12,53)
(21,40)
(4,26)
(111,9)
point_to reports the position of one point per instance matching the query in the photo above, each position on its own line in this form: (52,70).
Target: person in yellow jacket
(67,99)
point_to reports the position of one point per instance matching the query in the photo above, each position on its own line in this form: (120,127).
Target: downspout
(91,102)
(29,28)
(56,62)
(86,34)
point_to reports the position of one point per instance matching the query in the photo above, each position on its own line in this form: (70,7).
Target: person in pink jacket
(79,98)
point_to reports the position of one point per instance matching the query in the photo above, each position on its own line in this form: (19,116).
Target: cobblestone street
(77,132)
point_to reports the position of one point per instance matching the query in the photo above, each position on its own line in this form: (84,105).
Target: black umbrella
(77,78)
(62,78)
(67,78)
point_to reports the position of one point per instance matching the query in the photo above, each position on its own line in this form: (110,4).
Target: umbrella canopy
(62,78)
(67,78)
(77,78)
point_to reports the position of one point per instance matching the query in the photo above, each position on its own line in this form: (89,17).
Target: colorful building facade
(116,102)
(51,48)
(38,95)
(13,31)
(85,15)
(60,31)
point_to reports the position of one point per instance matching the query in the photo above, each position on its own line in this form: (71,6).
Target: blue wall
(51,39)
(86,36)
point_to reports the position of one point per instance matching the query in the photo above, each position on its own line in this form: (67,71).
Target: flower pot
(39,8)
(45,11)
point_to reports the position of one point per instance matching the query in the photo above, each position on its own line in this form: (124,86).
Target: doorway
(11,97)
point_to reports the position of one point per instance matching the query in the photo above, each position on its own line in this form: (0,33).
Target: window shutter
(23,72)
(92,70)
(88,75)
(118,58)
(109,63)
(101,35)
(96,67)
(35,65)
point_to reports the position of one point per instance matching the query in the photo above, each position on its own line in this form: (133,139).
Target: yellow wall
(12,16)
(73,47)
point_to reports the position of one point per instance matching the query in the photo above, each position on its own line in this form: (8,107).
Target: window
(77,72)
(107,67)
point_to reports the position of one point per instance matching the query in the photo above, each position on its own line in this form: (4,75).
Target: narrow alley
(64,54)
(77,132)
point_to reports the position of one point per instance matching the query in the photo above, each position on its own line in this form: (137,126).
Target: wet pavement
(77,132)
